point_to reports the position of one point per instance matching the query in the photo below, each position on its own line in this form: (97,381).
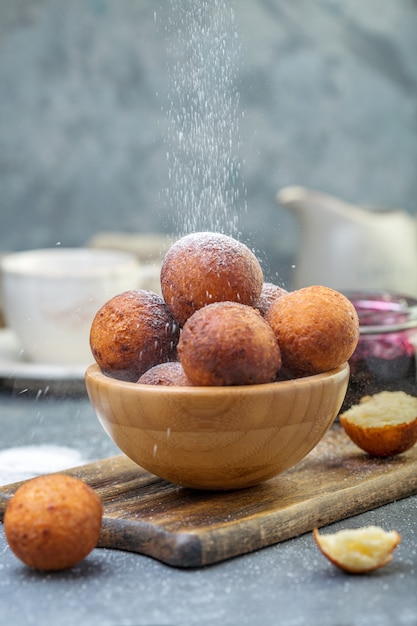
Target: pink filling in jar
(385,357)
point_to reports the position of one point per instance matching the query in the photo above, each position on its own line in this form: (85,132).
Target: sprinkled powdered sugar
(208,244)
(205,187)
(22,462)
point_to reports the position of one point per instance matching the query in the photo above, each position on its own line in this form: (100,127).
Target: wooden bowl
(217,437)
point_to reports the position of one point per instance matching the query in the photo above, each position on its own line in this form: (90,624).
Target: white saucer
(23,375)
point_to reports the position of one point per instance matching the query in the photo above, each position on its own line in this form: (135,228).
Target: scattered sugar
(24,462)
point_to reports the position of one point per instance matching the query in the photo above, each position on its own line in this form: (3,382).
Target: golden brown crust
(384,424)
(52,522)
(382,441)
(268,295)
(133,332)
(317,329)
(346,552)
(170,374)
(203,268)
(228,343)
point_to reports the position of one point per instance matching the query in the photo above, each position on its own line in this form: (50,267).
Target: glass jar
(385,357)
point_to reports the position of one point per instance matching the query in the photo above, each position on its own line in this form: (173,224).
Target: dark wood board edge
(182,550)
(188,550)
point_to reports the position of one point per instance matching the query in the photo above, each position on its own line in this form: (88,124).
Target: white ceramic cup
(51,296)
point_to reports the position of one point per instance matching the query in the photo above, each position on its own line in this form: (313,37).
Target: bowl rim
(94,373)
(71,262)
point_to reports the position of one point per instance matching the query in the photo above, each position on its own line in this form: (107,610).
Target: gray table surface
(289,584)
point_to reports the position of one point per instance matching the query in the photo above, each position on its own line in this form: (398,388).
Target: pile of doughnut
(218,323)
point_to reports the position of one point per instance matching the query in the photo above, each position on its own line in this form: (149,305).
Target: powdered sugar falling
(205,188)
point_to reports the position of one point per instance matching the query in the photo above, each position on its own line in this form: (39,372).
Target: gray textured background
(328,91)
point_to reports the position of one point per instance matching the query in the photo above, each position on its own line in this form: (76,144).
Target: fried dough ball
(384,424)
(131,333)
(269,293)
(317,329)
(170,374)
(203,268)
(52,522)
(227,343)
(358,550)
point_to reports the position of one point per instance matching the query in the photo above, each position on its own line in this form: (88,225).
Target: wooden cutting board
(187,528)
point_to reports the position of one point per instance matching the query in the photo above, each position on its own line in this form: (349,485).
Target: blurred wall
(328,91)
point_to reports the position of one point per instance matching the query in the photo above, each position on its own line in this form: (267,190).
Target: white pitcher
(349,247)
